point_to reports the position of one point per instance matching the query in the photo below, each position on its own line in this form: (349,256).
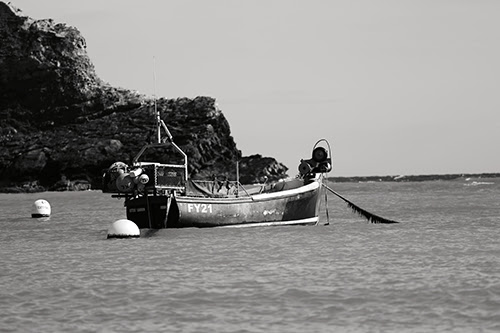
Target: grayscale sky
(395,86)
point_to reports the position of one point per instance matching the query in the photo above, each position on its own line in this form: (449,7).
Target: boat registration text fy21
(200,208)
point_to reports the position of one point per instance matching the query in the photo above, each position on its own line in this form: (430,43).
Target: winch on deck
(319,163)
(144,177)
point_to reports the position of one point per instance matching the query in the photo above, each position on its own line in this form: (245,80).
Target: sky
(397,87)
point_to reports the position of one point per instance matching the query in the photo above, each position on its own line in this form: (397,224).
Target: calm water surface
(437,271)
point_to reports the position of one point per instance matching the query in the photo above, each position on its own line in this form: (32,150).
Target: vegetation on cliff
(61,125)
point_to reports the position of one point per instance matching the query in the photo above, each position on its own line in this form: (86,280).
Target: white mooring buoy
(41,208)
(123,229)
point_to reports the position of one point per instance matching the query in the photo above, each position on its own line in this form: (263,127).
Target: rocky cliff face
(60,125)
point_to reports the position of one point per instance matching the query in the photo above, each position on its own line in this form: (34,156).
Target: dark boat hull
(298,206)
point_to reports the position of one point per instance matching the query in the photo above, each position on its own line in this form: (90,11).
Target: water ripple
(437,271)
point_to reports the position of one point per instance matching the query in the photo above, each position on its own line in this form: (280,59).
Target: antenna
(157,114)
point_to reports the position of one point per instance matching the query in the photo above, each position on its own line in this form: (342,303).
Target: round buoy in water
(41,208)
(123,229)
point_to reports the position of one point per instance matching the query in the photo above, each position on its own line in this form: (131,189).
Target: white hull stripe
(269,224)
(256,197)
(282,194)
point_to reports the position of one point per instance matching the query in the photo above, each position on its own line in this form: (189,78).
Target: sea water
(436,271)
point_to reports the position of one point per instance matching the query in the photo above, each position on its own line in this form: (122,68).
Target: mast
(159,125)
(237,177)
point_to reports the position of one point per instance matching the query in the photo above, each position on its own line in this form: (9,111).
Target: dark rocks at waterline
(61,125)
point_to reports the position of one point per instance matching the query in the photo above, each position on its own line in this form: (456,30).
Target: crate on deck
(165,176)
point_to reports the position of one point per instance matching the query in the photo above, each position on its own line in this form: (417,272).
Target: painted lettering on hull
(200,208)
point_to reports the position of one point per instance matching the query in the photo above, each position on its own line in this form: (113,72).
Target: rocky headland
(61,125)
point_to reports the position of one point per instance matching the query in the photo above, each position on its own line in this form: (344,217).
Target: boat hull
(298,206)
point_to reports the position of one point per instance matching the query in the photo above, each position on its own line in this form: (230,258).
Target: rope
(147,207)
(326,208)
(169,202)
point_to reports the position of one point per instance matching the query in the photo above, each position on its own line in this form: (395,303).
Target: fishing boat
(160,195)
